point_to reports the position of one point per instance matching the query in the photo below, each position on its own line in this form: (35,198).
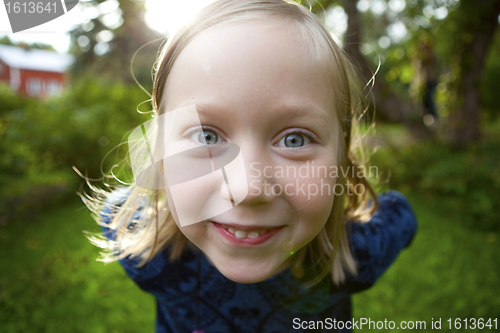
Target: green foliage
(42,140)
(77,129)
(445,273)
(5,40)
(50,282)
(490,82)
(469,178)
(105,49)
(454,194)
(10,107)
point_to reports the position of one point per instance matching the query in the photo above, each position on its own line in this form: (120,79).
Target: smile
(243,235)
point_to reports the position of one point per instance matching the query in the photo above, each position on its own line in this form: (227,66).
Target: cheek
(194,232)
(311,196)
(312,190)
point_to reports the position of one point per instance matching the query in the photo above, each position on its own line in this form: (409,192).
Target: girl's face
(254,85)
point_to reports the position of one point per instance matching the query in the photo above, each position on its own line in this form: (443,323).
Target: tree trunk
(391,106)
(476,35)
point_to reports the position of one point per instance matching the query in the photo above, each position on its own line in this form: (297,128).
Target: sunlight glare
(166,16)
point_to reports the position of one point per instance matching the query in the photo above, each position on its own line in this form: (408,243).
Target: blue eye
(206,136)
(294,140)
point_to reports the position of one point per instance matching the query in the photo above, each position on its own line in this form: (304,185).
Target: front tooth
(253,234)
(231,230)
(240,234)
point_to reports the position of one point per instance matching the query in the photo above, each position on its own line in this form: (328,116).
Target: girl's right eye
(205,136)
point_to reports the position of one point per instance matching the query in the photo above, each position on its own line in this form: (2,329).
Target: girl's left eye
(205,136)
(294,140)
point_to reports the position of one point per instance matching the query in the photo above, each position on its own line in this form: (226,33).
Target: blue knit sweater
(191,293)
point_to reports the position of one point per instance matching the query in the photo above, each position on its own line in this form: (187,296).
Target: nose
(249,181)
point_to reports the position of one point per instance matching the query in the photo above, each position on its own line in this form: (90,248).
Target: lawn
(50,281)
(449,271)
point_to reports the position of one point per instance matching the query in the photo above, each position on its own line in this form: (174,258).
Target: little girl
(249,212)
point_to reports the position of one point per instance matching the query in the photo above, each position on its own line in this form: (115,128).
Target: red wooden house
(36,73)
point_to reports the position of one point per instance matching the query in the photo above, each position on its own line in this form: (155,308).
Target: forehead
(258,42)
(256,62)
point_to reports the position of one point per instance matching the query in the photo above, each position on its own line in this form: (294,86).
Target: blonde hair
(153,230)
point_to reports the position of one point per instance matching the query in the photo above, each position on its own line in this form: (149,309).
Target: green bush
(40,140)
(11,106)
(78,128)
(468,178)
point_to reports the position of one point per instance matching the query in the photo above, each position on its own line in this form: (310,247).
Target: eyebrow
(283,110)
(303,111)
(209,110)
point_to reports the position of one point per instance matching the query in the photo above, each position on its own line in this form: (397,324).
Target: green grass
(449,271)
(50,281)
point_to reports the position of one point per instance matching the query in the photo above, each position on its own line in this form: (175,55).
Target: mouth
(246,235)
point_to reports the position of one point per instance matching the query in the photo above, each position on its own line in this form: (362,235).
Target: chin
(244,277)
(245,272)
